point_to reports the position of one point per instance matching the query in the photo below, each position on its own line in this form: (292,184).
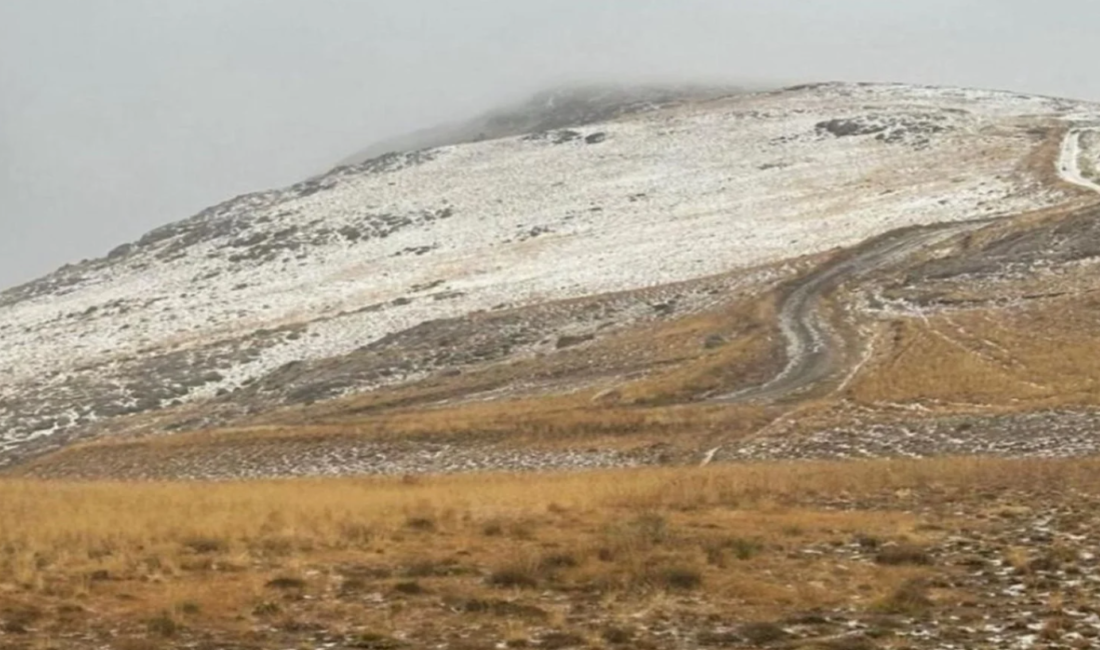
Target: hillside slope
(590,258)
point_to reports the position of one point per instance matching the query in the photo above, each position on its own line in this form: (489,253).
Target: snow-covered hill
(212,304)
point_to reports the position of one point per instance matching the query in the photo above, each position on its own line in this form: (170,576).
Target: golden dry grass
(1036,356)
(150,558)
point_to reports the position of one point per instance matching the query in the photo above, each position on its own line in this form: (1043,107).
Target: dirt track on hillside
(814,352)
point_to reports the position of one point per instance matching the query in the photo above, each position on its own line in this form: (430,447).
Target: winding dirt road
(813,352)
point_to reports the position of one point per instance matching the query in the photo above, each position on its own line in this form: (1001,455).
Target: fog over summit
(119,117)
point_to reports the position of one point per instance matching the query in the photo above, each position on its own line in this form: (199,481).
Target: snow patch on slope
(660,197)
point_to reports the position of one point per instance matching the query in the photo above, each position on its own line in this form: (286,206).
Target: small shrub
(358,534)
(848,643)
(197,564)
(265,609)
(410,588)
(136,644)
(189,608)
(503,608)
(680,578)
(352,586)
(762,633)
(280,545)
(742,549)
(492,528)
(14,627)
(745,549)
(298,626)
(163,625)
(719,639)
(421,523)
(374,641)
(517,575)
(617,635)
(901,554)
(367,572)
(650,528)
(523,529)
(559,560)
(433,569)
(909,599)
(868,542)
(206,545)
(286,583)
(559,640)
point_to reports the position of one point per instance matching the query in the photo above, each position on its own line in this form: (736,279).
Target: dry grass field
(793,555)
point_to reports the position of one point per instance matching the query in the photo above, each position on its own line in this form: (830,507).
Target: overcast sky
(117,116)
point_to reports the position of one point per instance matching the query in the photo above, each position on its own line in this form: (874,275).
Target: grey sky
(117,116)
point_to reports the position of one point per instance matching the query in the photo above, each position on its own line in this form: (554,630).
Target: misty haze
(119,117)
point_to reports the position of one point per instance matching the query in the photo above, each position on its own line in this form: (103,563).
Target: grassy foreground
(475,561)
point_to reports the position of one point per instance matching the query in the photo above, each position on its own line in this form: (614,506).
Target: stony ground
(1046,434)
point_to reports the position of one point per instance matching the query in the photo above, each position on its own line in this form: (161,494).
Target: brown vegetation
(396,558)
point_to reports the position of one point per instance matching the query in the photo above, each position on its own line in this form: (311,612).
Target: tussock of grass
(762,633)
(901,554)
(909,599)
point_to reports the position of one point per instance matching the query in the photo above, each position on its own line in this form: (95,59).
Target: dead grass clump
(189,608)
(502,608)
(197,564)
(266,609)
(351,587)
(909,599)
(616,635)
(421,523)
(868,542)
(903,554)
(163,625)
(206,545)
(853,642)
(18,619)
(356,533)
(634,537)
(560,640)
(741,548)
(759,634)
(434,568)
(558,560)
(281,546)
(286,583)
(516,575)
(375,641)
(410,588)
(493,528)
(650,529)
(673,578)
(719,640)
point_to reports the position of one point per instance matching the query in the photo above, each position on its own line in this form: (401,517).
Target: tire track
(813,355)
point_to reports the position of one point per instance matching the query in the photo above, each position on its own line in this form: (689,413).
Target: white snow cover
(654,198)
